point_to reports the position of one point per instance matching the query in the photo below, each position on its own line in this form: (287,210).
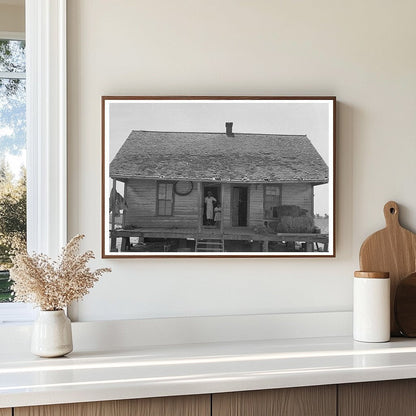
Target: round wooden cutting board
(405,306)
(393,250)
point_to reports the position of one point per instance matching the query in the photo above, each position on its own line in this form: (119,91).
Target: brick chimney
(229,129)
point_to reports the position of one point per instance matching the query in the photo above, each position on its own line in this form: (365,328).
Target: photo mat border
(216,255)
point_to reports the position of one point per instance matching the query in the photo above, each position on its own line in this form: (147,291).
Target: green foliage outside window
(12,148)
(12,224)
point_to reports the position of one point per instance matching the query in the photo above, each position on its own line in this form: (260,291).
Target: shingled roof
(216,156)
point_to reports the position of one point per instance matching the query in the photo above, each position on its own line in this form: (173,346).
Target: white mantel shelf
(151,371)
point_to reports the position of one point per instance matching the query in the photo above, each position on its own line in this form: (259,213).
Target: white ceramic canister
(371,310)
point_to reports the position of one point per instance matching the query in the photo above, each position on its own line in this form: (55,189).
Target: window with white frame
(46,135)
(12,153)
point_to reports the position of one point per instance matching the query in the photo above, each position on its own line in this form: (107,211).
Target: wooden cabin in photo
(167,176)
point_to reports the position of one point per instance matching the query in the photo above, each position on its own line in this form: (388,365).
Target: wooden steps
(209,245)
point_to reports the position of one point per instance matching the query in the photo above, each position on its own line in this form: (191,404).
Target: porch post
(199,206)
(222,210)
(113,246)
(125,204)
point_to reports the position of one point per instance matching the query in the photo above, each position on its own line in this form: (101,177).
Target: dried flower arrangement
(53,285)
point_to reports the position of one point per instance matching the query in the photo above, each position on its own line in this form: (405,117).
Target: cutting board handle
(391,214)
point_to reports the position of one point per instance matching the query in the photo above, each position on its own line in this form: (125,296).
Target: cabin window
(272,200)
(164,198)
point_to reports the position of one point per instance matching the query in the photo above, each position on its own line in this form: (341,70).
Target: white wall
(12,18)
(361,51)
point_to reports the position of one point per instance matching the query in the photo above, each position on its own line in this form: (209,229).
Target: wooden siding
(298,194)
(292,194)
(141,198)
(256,210)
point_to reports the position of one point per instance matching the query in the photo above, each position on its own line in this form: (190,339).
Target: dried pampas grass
(53,285)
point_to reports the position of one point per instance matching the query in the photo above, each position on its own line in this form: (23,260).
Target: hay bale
(302,224)
(291,219)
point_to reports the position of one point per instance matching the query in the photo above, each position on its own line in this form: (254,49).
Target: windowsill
(16,313)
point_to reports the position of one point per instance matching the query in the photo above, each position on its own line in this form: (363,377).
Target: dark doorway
(239,206)
(215,191)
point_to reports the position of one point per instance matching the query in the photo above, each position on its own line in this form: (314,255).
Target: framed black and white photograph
(218,176)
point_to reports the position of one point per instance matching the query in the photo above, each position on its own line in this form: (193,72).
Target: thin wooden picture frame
(246,176)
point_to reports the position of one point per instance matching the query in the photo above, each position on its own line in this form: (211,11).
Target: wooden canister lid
(372,275)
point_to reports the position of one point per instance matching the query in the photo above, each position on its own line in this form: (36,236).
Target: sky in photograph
(272,117)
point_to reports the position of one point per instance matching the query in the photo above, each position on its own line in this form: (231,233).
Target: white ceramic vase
(52,334)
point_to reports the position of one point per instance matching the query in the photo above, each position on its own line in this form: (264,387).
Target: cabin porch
(310,242)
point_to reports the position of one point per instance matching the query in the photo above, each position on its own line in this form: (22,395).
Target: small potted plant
(52,286)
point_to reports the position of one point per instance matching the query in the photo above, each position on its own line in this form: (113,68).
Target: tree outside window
(12,156)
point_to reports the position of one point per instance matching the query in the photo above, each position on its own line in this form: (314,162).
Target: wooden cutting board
(393,250)
(405,306)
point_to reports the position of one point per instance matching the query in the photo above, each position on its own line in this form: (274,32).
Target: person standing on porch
(217,215)
(209,207)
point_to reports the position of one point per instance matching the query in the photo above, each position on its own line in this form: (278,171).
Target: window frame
(46,125)
(158,199)
(277,185)
(46,137)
